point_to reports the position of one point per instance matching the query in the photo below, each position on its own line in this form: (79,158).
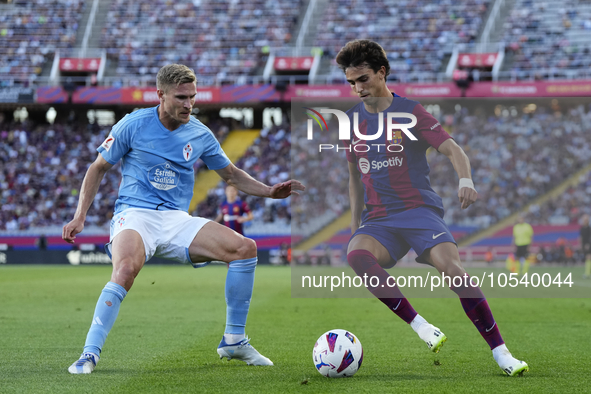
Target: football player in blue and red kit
(233,211)
(393,205)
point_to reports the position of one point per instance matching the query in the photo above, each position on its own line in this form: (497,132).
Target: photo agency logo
(362,142)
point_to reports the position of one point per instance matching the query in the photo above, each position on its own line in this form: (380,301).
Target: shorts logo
(187,151)
(438,235)
(108,143)
(121,221)
(164,176)
(364,165)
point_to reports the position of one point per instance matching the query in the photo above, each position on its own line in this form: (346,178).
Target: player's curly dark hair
(357,52)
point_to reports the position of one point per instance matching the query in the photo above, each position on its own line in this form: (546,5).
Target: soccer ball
(337,354)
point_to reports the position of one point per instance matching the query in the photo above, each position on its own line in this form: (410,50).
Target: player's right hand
(467,196)
(71,229)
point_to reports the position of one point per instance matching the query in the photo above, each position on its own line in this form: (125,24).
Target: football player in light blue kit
(158,148)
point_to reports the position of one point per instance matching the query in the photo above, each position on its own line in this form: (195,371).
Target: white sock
(417,322)
(233,338)
(500,351)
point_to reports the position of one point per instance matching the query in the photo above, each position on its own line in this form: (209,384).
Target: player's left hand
(286,189)
(467,196)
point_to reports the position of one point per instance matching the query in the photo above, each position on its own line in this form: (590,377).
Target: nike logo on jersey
(493,326)
(438,235)
(356,142)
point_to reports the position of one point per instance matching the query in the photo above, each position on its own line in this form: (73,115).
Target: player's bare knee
(454,269)
(247,249)
(125,271)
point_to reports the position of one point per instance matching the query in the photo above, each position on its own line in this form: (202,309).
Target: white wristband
(466,182)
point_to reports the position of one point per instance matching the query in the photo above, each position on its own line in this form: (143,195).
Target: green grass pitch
(169,326)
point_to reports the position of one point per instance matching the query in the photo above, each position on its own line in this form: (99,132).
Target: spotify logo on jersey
(364,165)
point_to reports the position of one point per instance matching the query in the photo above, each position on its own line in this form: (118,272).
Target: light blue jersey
(156,163)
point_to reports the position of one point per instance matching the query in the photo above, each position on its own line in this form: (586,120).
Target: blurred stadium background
(509,79)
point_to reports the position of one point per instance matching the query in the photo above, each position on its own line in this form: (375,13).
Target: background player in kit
(233,211)
(402,210)
(523,235)
(158,147)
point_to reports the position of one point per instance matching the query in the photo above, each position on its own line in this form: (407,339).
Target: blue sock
(239,285)
(105,314)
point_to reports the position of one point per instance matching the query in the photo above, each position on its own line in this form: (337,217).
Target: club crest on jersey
(187,151)
(396,138)
(108,143)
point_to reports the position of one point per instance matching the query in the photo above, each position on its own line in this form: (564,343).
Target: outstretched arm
(461,163)
(88,191)
(238,178)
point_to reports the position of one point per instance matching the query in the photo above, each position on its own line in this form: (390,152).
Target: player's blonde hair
(174,75)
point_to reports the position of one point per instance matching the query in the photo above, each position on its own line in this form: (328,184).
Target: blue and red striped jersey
(231,212)
(395,181)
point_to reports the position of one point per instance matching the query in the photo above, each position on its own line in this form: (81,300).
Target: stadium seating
(30,32)
(568,208)
(549,39)
(416,34)
(42,170)
(215,38)
(530,155)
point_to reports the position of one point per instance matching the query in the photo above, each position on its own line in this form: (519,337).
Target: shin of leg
(364,263)
(238,291)
(447,261)
(105,314)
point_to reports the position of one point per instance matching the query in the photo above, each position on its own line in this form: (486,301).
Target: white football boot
(509,364)
(85,364)
(243,351)
(432,336)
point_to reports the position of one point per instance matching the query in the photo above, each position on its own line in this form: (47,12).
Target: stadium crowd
(32,31)
(416,34)
(528,156)
(216,39)
(568,207)
(548,39)
(41,170)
